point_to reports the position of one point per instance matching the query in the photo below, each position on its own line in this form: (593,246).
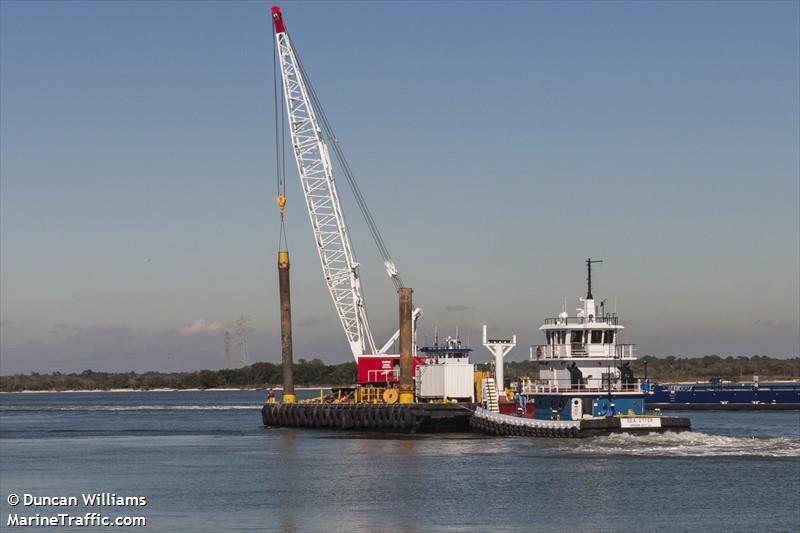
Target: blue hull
(778,394)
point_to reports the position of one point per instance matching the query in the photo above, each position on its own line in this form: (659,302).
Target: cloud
(200,326)
(456,308)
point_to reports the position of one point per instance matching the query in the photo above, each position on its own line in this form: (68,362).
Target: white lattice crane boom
(339,265)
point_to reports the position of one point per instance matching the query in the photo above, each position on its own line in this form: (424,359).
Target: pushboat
(585,385)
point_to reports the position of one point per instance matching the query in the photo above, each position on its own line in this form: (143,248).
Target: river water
(204,462)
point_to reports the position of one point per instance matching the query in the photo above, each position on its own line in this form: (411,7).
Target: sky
(497,144)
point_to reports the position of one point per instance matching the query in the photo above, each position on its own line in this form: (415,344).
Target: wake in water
(688,444)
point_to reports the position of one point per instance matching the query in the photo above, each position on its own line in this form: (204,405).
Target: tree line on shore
(315,372)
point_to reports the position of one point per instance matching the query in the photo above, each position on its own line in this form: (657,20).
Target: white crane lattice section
(314,166)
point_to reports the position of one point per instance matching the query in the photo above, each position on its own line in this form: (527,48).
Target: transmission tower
(241,331)
(227,338)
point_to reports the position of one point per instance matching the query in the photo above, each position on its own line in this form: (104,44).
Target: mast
(589,262)
(339,265)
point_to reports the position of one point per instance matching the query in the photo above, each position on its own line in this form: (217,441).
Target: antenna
(589,262)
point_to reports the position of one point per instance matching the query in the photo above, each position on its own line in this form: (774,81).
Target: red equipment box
(382,368)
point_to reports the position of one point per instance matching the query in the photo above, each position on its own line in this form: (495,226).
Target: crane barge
(437,389)
(385,395)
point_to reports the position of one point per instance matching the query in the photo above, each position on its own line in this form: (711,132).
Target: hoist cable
(283,242)
(278,122)
(345,167)
(280,148)
(351,180)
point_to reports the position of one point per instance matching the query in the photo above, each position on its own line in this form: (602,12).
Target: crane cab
(383,369)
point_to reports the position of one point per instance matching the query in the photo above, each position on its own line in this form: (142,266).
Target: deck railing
(565,351)
(611,320)
(378,376)
(561,386)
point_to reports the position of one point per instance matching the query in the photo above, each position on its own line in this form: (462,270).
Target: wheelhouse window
(597,336)
(577,336)
(608,337)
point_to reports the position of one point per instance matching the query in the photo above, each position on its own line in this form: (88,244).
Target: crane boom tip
(277,19)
